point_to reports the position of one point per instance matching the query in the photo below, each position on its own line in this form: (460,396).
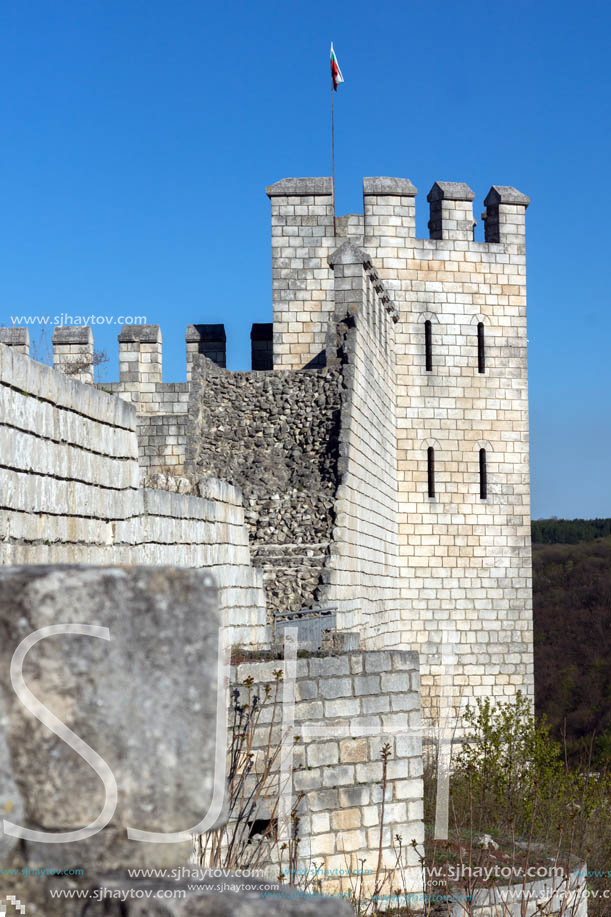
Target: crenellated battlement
(451,211)
(140,354)
(162,407)
(304,235)
(504,215)
(308,202)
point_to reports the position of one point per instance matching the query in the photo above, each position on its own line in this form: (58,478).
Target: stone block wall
(347,708)
(69,477)
(275,436)
(16,338)
(465,558)
(362,575)
(302,240)
(161,406)
(73,352)
(166,398)
(350,226)
(162,442)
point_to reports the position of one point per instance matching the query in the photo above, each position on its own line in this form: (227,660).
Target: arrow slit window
(428,346)
(483,475)
(481,351)
(430,459)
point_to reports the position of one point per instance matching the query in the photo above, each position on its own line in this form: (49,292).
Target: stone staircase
(291,573)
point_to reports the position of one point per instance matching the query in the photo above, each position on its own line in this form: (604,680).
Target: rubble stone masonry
(275,436)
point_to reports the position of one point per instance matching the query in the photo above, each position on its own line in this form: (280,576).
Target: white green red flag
(336,73)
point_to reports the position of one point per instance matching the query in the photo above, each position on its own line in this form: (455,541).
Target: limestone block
(35,493)
(33,415)
(346,819)
(336,687)
(322,754)
(231,896)
(19,338)
(320,823)
(142,700)
(353,751)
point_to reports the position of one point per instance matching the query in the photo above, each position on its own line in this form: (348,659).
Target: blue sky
(138,138)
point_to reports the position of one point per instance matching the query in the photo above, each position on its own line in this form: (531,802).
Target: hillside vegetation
(572,618)
(568,531)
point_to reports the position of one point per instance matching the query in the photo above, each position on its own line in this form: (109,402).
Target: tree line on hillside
(572,643)
(568,531)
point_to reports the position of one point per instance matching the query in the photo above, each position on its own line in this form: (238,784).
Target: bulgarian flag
(336,73)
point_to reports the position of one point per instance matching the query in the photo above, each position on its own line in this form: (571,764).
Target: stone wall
(162,421)
(162,440)
(275,436)
(465,559)
(362,575)
(347,708)
(69,479)
(161,406)
(554,897)
(302,282)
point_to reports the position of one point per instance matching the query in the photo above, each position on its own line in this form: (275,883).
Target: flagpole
(333,157)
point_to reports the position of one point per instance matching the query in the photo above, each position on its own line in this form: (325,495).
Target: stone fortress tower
(459,401)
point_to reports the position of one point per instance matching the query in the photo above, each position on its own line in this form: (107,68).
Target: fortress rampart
(372,468)
(383,461)
(71,494)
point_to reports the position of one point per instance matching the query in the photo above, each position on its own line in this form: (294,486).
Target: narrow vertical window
(430,456)
(483,476)
(428,346)
(481,353)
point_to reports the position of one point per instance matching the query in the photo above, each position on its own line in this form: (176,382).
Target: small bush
(513,780)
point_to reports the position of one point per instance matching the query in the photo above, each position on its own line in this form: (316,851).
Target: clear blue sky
(138,138)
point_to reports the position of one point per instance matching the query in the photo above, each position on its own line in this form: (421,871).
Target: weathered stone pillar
(302,240)
(451,211)
(261,346)
(17,338)
(140,356)
(505,217)
(73,351)
(210,340)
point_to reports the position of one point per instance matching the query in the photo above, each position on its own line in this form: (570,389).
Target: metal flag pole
(333,154)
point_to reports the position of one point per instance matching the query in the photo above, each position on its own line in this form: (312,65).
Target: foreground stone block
(144,700)
(230,896)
